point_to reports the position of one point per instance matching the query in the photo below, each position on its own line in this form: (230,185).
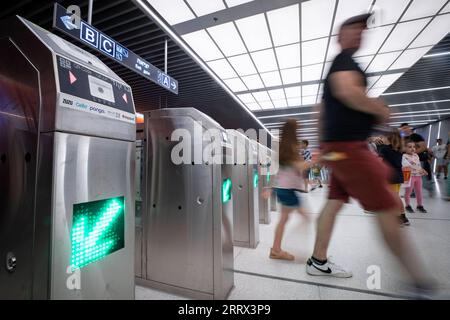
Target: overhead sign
(89,35)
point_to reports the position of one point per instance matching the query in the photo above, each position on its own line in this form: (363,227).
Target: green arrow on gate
(97,230)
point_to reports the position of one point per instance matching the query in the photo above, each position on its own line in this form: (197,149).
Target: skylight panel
(316,18)
(277,94)
(228,39)
(293,92)
(434,32)
(391,10)
(261,96)
(266,105)
(403,34)
(202,44)
(222,68)
(246,98)
(254,32)
(290,75)
(243,65)
(265,60)
(423,8)
(387,80)
(313,72)
(253,106)
(288,56)
(371,81)
(271,78)
(373,39)
(408,58)
(382,61)
(294,102)
(314,51)
(235,84)
(175,11)
(232,3)
(202,7)
(284,25)
(280,103)
(308,100)
(253,82)
(310,90)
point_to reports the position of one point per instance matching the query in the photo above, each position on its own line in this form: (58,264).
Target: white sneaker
(327,269)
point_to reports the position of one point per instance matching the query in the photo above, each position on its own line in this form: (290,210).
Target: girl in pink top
(411,160)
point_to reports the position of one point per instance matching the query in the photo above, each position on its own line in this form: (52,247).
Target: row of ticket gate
(80,199)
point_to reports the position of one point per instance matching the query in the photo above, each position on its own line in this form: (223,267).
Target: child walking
(411,160)
(289,184)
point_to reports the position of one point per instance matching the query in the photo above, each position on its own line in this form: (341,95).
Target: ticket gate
(67,134)
(245,192)
(264,183)
(272,171)
(138,208)
(187,219)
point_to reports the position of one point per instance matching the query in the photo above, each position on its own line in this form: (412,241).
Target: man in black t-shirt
(347,119)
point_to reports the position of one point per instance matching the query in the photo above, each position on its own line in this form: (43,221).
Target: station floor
(356,244)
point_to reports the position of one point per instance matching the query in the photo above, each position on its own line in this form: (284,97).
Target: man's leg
(400,246)
(325,224)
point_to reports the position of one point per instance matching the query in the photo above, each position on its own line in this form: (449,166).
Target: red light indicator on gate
(72,78)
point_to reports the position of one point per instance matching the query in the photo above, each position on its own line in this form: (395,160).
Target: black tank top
(339,122)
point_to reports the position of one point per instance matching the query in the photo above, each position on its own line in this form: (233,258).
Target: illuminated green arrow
(106,230)
(226,190)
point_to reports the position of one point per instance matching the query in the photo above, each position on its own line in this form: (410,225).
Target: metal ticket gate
(264,182)
(67,132)
(245,194)
(187,219)
(273,198)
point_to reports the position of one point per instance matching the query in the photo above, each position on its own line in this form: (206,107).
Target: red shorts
(361,175)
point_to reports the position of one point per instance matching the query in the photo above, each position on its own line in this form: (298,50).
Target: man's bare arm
(347,87)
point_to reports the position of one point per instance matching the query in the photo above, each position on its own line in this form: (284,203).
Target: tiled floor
(356,244)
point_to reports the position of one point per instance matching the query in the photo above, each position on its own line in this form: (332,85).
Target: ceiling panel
(255,32)
(228,39)
(390,10)
(403,34)
(284,25)
(203,45)
(202,7)
(314,51)
(174,11)
(312,27)
(422,8)
(434,32)
(288,56)
(290,75)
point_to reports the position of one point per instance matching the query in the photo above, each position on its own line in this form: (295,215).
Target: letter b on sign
(374,280)
(89,35)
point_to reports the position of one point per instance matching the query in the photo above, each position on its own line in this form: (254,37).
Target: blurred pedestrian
(347,119)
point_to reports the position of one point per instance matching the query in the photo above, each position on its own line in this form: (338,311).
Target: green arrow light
(255,178)
(97,231)
(226,190)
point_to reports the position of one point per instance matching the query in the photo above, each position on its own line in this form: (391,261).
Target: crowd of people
(366,172)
